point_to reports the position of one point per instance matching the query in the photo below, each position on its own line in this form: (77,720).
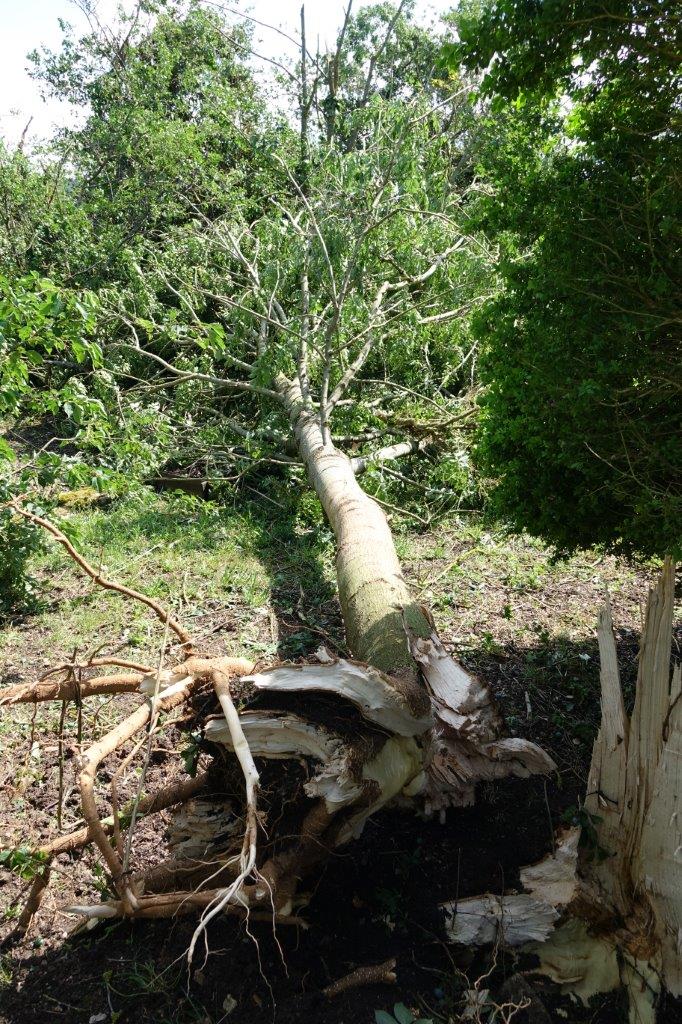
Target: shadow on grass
(287,537)
(296,547)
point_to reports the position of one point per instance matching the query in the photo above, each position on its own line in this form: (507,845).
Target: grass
(245,582)
(193,555)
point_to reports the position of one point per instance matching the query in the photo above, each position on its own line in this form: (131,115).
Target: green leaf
(79,351)
(6,452)
(402,1014)
(381,1017)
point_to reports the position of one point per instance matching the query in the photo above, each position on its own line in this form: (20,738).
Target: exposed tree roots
(349,739)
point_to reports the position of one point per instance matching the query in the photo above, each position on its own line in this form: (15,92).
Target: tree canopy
(581,345)
(426,233)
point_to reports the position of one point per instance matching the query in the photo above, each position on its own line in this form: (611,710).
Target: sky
(31,24)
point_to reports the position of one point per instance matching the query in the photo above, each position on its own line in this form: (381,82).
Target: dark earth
(376,899)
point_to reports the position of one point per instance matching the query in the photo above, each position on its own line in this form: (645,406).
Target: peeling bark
(404,711)
(277,736)
(464,744)
(520,918)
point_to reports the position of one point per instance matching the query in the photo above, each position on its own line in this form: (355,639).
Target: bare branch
(162,613)
(236,385)
(387,454)
(377,974)
(69,688)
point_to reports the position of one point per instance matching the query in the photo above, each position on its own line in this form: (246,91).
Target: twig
(36,893)
(400,511)
(162,613)
(60,755)
(377,974)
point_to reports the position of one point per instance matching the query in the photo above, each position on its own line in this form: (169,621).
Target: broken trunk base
(610,915)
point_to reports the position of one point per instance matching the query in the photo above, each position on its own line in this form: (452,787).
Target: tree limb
(387,454)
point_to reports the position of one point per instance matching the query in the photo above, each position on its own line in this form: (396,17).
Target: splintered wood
(465,747)
(635,791)
(520,918)
(631,883)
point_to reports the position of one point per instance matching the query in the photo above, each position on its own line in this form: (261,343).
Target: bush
(19,541)
(581,429)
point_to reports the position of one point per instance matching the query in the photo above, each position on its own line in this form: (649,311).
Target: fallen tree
(407,722)
(341,273)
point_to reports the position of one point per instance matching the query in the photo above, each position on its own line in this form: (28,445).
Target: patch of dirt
(376,899)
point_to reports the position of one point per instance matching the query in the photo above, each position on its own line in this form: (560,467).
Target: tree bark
(375,600)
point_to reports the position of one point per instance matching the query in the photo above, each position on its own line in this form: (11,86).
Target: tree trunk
(375,601)
(609,914)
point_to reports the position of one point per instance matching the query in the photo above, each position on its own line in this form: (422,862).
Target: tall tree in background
(581,346)
(164,115)
(170,106)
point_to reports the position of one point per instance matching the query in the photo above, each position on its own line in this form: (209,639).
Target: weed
(191,752)
(589,836)
(5,972)
(489,645)
(101,881)
(23,861)
(144,980)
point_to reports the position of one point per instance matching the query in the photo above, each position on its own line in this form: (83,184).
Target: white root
(97,911)
(234,892)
